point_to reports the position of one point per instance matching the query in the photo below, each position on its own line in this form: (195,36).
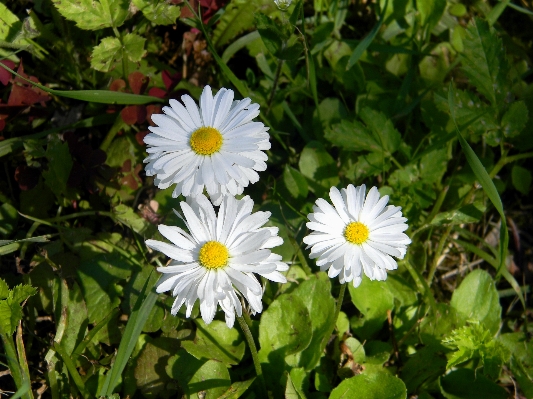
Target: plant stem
(253,350)
(274,85)
(11,357)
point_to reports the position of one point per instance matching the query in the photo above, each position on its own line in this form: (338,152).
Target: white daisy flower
(356,234)
(217,147)
(218,257)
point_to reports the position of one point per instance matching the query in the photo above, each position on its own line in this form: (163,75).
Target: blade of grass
(490,190)
(69,364)
(94,96)
(143,306)
(26,379)
(239,44)
(363,45)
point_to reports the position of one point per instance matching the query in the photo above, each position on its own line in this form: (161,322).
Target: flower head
(358,233)
(216,147)
(218,257)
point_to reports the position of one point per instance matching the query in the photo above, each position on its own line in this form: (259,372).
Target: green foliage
(352,93)
(475,342)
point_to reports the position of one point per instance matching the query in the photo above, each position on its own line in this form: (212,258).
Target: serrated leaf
(10,315)
(159,12)
(22,292)
(111,51)
(470,213)
(239,17)
(59,166)
(127,215)
(94,14)
(484,61)
(515,119)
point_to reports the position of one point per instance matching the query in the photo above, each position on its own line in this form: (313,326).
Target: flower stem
(339,305)
(253,350)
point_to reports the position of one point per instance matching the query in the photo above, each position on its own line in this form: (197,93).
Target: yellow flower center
(356,233)
(206,140)
(213,255)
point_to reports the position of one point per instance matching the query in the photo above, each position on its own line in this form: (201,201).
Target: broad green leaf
(433,166)
(237,389)
(239,17)
(484,61)
(430,12)
(426,364)
(477,299)
(319,168)
(271,34)
(373,299)
(59,166)
(216,341)
(515,119)
(370,386)
(159,12)
(294,183)
(384,131)
(120,150)
(150,379)
(10,315)
(94,14)
(199,378)
(111,51)
(470,213)
(351,136)
(466,384)
(125,214)
(521,178)
(315,293)
(291,391)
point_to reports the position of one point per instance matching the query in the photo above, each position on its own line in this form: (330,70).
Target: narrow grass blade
(74,375)
(139,315)
(94,96)
(490,190)
(363,45)
(87,340)
(239,44)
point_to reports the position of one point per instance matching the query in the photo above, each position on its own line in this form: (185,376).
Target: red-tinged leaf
(133,114)
(5,75)
(117,85)
(151,110)
(23,95)
(157,92)
(169,80)
(26,177)
(138,82)
(140,137)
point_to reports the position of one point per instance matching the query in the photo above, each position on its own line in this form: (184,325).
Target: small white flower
(217,147)
(356,234)
(218,257)
(283,5)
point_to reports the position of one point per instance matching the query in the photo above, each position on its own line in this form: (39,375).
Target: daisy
(216,147)
(218,257)
(356,234)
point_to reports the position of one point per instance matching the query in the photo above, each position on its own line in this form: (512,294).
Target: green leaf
(22,292)
(237,389)
(433,166)
(370,386)
(426,364)
(430,12)
(237,18)
(195,375)
(294,183)
(470,213)
(59,166)
(382,128)
(271,33)
(291,391)
(522,359)
(521,178)
(111,51)
(466,384)
(10,315)
(94,14)
(149,380)
(477,299)
(315,293)
(373,299)
(9,218)
(216,341)
(4,289)
(159,12)
(319,168)
(484,61)
(515,119)
(125,214)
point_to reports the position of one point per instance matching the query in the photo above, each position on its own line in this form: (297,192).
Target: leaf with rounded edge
(477,299)
(294,183)
(319,168)
(370,386)
(93,14)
